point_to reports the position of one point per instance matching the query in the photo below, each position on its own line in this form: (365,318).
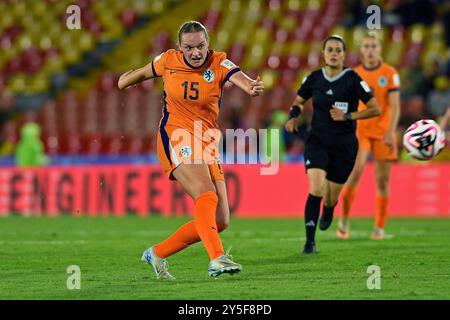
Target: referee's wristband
(294,112)
(348,116)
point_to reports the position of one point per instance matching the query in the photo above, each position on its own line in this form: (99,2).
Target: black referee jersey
(343,90)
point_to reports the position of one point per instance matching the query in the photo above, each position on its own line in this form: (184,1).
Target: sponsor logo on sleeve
(228,64)
(158,57)
(396,79)
(365,86)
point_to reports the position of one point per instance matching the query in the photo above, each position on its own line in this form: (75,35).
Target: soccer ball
(424,139)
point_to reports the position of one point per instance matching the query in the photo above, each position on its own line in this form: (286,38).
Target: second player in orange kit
(376,135)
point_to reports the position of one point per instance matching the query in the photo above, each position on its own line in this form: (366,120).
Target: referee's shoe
(326,219)
(309,248)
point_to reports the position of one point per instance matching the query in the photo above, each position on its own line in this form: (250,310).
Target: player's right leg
(316,178)
(223,210)
(349,190)
(317,161)
(196,181)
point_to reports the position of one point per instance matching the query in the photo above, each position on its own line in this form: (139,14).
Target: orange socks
(381,207)
(381,211)
(204,227)
(348,195)
(205,222)
(182,238)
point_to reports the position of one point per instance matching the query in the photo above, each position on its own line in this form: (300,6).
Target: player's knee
(330,202)
(383,187)
(206,188)
(315,191)
(383,183)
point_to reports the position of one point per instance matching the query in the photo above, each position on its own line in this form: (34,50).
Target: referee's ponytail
(334,37)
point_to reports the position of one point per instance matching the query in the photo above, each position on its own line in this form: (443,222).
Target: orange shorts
(380,150)
(177,145)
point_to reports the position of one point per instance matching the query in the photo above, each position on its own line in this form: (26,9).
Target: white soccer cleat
(343,229)
(223,264)
(160,265)
(377,234)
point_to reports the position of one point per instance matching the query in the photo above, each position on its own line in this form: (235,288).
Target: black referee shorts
(334,154)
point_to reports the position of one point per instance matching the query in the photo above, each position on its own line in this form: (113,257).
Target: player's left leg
(342,162)
(384,155)
(330,199)
(187,234)
(382,176)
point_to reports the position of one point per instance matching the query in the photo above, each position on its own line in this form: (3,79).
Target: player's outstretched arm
(373,109)
(252,87)
(294,115)
(133,77)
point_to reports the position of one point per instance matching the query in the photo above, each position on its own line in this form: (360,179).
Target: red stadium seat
(2,82)
(51,142)
(352,59)
(107,82)
(13,66)
(128,18)
(91,144)
(211,19)
(237,52)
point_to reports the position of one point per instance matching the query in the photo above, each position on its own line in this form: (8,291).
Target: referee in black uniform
(331,146)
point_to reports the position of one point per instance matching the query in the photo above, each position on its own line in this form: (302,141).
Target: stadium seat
(281,42)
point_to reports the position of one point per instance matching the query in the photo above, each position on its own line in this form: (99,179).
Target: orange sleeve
(227,68)
(159,64)
(393,80)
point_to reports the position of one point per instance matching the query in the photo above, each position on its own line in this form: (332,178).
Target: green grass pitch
(35,253)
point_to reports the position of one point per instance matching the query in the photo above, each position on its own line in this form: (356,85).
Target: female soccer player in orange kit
(193,77)
(375,136)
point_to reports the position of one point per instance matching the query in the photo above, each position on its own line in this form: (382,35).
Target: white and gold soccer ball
(424,139)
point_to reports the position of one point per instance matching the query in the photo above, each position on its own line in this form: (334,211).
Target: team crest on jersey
(382,81)
(208,75)
(186,151)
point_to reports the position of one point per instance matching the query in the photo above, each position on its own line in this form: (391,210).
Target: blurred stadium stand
(66,79)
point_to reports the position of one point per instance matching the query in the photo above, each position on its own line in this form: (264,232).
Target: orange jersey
(382,80)
(192,94)
(192,99)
